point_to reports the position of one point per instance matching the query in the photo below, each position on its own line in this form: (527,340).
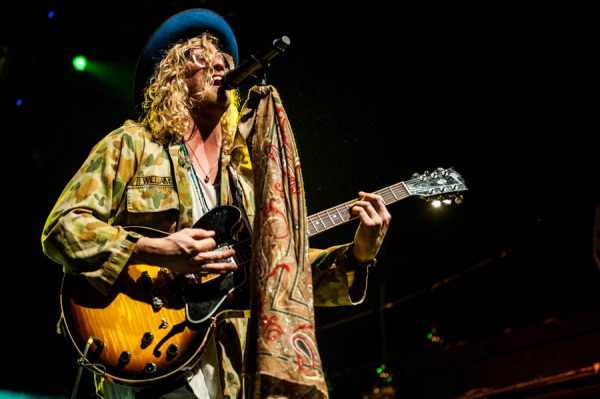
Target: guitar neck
(340,214)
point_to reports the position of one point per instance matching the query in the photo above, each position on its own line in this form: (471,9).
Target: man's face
(206,67)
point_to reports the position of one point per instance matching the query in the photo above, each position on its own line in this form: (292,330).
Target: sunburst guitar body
(153,325)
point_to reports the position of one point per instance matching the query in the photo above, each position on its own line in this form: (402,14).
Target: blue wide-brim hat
(180,27)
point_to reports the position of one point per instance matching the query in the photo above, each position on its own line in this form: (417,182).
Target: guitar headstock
(441,186)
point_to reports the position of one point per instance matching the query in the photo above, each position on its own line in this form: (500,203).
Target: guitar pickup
(223,246)
(156,301)
(230,259)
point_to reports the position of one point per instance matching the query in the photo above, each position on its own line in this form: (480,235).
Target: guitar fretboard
(440,183)
(340,214)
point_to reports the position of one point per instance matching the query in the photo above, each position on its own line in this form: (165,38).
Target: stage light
(50,14)
(433,337)
(79,63)
(19,102)
(436,203)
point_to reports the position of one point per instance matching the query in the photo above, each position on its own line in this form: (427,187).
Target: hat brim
(182,26)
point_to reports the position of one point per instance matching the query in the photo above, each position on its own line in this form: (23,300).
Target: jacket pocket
(154,195)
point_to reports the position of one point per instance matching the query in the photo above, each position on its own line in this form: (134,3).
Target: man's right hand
(185,251)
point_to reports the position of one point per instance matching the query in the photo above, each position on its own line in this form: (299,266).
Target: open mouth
(217,80)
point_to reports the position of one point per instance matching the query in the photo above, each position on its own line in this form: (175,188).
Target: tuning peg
(440,172)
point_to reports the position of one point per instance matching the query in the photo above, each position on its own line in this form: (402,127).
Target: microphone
(232,79)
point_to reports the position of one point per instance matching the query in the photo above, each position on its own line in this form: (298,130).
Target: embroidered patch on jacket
(154,180)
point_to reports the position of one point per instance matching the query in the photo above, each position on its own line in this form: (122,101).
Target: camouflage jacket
(129,180)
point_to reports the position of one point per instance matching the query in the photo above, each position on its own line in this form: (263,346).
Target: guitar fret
(330,218)
(321,221)
(324,217)
(381,195)
(397,192)
(392,191)
(310,219)
(339,214)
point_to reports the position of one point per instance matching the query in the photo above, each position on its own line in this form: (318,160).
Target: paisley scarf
(283,359)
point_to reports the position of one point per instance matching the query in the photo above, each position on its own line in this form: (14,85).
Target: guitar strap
(236,192)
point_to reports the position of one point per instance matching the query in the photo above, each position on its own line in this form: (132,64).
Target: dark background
(374,93)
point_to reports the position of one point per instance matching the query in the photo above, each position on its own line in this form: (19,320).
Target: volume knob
(172,351)
(125,358)
(147,339)
(150,368)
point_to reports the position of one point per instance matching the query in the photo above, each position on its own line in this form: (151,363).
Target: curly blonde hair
(167,103)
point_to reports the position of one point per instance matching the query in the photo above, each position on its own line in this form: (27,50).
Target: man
(182,159)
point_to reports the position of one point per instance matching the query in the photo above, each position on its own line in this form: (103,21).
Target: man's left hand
(374,222)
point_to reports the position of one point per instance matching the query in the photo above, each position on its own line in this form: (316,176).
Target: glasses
(197,54)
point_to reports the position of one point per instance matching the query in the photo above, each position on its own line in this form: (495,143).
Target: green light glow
(79,63)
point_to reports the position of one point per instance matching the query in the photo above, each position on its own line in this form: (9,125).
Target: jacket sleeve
(333,284)
(78,233)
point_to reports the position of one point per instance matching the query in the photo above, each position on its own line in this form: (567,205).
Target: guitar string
(388,194)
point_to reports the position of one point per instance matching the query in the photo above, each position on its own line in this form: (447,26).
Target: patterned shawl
(282,358)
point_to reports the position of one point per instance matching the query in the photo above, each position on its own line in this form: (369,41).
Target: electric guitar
(154,324)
